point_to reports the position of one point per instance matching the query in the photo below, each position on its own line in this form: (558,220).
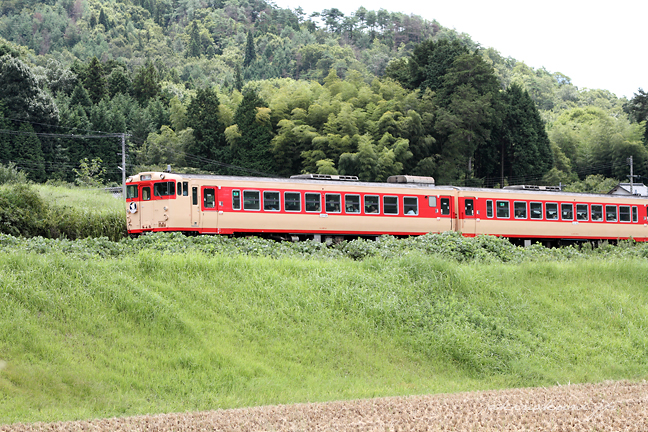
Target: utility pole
(123,167)
(631,175)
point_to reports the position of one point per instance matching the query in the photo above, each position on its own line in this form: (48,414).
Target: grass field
(153,332)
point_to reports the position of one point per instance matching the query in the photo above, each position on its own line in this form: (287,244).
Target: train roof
(157,175)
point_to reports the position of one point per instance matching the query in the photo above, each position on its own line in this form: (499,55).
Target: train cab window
(292,201)
(635,214)
(597,212)
(520,209)
(581,212)
(333,203)
(194,195)
(236,199)
(567,211)
(610,213)
(535,210)
(371,204)
(209,198)
(551,211)
(390,205)
(489,208)
(503,209)
(271,201)
(410,206)
(313,202)
(251,200)
(164,189)
(146,193)
(352,203)
(445,206)
(432,201)
(469,207)
(185,189)
(131,191)
(624,213)
(179,188)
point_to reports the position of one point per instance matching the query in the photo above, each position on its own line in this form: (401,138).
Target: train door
(209,210)
(195,207)
(147,207)
(467,215)
(447,212)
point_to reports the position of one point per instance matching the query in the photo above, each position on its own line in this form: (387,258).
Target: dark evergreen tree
(252,148)
(80,97)
(238,79)
(103,19)
(118,82)
(95,82)
(194,48)
(250,53)
(637,108)
(209,143)
(519,151)
(28,153)
(146,83)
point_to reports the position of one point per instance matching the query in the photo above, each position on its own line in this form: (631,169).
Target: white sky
(598,45)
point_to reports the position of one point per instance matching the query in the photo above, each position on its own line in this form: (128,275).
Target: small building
(624,189)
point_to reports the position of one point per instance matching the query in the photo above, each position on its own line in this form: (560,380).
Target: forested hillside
(245,87)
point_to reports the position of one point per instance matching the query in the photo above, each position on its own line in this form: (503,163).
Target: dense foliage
(247,87)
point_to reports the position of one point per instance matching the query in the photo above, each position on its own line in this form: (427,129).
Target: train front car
(154,202)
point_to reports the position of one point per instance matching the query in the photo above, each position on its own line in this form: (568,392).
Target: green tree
(146,83)
(28,153)
(209,143)
(95,82)
(637,109)
(250,52)
(252,149)
(194,48)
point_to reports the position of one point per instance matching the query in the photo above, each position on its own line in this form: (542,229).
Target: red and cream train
(320,207)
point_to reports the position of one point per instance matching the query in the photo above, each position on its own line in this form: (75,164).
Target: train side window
(503,209)
(390,205)
(209,198)
(333,203)
(292,201)
(536,210)
(624,213)
(352,203)
(567,211)
(131,191)
(610,213)
(469,207)
(432,201)
(251,200)
(635,214)
(581,212)
(271,201)
(185,189)
(146,193)
(194,195)
(445,206)
(520,209)
(489,208)
(410,206)
(313,202)
(551,211)
(172,188)
(597,212)
(236,199)
(371,204)
(179,188)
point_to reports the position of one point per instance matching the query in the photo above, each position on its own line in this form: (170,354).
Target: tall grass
(154,332)
(60,212)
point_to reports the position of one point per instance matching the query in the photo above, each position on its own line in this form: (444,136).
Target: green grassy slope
(165,333)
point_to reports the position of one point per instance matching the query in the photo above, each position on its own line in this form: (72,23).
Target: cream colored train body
(300,208)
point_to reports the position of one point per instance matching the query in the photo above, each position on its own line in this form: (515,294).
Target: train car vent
(410,179)
(325,177)
(534,187)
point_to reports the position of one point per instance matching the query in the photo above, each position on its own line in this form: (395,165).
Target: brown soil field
(609,406)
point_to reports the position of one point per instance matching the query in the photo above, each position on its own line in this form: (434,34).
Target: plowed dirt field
(610,406)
